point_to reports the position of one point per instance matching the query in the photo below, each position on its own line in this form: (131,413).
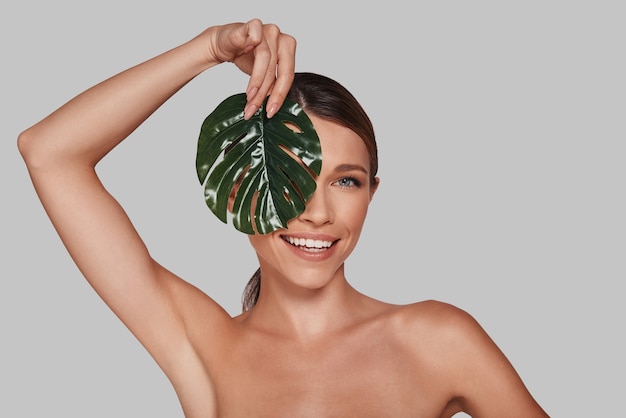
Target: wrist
(202,47)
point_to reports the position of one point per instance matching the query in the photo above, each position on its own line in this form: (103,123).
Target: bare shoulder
(440,321)
(442,338)
(446,333)
(448,341)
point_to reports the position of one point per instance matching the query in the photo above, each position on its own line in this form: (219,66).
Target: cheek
(260,243)
(354,214)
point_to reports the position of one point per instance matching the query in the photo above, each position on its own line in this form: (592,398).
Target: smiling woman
(326,101)
(308,344)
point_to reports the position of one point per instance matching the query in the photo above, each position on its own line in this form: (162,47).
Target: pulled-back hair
(327,99)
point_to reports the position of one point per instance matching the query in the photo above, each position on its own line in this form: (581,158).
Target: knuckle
(271,29)
(289,40)
(286,77)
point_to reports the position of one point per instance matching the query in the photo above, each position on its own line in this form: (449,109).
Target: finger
(263,73)
(252,32)
(256,92)
(284,74)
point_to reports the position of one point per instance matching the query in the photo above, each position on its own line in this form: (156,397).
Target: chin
(314,278)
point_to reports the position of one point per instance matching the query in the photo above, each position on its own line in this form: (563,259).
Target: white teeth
(309,243)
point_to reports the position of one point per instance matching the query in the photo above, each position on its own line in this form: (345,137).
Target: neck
(303,313)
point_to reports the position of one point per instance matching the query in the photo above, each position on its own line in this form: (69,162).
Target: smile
(308,244)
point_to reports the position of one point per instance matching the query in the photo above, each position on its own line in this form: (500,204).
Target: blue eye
(348,182)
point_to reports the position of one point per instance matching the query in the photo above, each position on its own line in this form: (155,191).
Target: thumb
(239,39)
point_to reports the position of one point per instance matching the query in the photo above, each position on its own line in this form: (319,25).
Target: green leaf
(248,158)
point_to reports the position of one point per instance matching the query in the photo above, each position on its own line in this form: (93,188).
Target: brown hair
(325,98)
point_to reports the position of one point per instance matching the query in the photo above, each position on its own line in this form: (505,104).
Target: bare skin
(313,346)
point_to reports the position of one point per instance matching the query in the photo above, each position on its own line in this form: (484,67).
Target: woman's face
(312,250)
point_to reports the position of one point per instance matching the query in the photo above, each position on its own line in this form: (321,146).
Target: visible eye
(348,183)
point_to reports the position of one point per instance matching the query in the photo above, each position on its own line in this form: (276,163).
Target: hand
(263,52)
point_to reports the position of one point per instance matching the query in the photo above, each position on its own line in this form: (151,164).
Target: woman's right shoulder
(203,325)
(196,308)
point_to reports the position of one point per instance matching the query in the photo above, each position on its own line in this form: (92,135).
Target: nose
(318,210)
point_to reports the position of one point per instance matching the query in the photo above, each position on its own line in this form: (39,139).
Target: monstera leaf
(268,166)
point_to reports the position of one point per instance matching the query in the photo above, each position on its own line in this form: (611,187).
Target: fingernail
(249,111)
(271,110)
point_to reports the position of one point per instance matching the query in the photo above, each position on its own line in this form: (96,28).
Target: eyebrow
(350,167)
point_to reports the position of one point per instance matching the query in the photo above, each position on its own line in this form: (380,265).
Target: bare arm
(62,150)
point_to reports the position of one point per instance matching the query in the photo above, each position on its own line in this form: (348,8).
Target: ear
(374,187)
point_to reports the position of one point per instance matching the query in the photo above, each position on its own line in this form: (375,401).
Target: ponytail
(251,291)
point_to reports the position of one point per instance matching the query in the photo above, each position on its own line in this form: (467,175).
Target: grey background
(501,135)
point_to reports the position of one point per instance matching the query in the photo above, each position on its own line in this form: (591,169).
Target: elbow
(44,150)
(25,146)
(37,152)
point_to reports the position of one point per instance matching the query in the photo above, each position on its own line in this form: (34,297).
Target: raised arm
(62,150)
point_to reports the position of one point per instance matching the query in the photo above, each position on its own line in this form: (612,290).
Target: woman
(308,344)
